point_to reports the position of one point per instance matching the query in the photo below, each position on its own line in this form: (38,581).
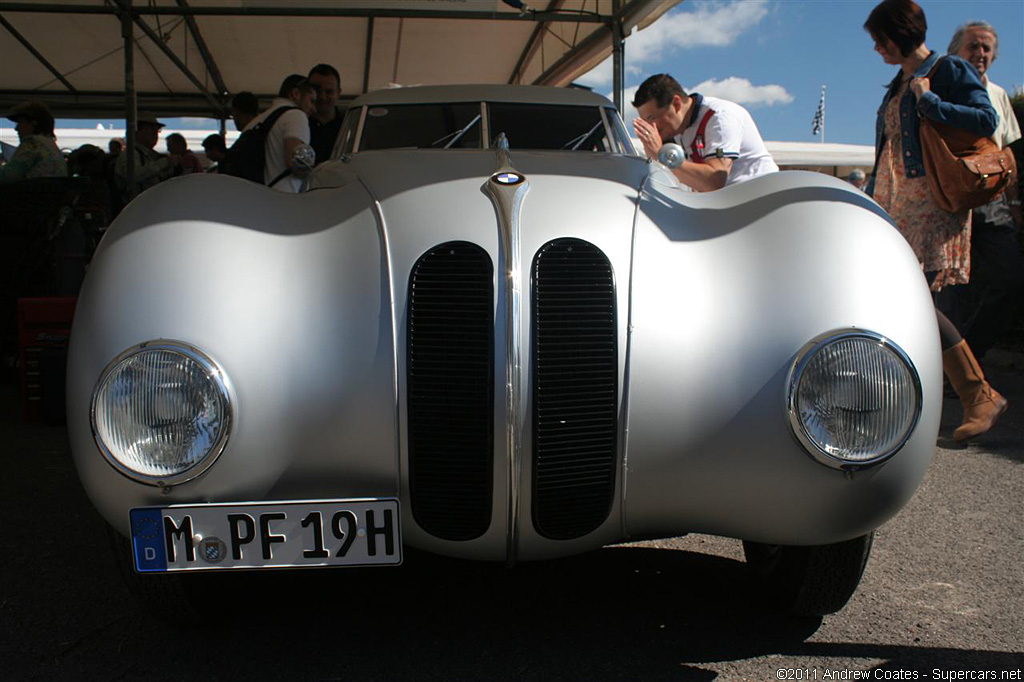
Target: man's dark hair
(216,141)
(292,82)
(659,87)
(326,70)
(246,102)
(901,21)
(175,137)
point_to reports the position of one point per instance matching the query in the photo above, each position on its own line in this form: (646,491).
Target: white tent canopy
(189,56)
(821,154)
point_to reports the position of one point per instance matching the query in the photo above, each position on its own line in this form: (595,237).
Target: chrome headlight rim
(803,358)
(216,375)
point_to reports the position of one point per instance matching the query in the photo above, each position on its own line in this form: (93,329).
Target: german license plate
(266,535)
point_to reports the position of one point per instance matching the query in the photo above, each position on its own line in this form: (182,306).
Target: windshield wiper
(577,141)
(455,135)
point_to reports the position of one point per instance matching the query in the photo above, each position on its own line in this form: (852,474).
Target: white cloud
(742,91)
(598,77)
(710,24)
(601,76)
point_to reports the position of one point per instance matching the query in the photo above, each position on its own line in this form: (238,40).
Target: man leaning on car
(720,139)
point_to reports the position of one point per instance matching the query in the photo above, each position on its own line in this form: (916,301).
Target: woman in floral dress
(942,241)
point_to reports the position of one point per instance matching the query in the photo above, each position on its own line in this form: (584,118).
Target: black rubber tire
(808,581)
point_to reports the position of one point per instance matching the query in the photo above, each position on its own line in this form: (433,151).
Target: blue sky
(774,56)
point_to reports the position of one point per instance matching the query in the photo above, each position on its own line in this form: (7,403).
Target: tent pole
(132,113)
(618,58)
(369,55)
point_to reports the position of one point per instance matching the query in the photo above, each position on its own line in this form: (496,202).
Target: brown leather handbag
(964,170)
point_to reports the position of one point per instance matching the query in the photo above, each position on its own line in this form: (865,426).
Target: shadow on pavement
(636,613)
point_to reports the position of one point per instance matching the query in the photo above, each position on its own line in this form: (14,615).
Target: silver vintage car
(489,330)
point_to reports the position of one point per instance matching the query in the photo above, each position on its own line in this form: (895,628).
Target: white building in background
(69,139)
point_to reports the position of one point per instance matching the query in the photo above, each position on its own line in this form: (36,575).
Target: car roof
(527,94)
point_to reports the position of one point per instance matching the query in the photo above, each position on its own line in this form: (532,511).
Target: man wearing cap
(37,156)
(986,305)
(151,167)
(720,140)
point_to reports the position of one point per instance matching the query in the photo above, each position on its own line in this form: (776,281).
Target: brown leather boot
(982,405)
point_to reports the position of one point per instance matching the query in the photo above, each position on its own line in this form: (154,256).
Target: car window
(549,126)
(422,126)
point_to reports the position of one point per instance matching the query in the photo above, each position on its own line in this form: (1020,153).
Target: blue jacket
(957,97)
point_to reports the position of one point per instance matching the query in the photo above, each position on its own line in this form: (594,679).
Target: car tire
(172,598)
(808,581)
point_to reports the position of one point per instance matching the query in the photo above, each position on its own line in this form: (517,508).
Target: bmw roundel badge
(507,178)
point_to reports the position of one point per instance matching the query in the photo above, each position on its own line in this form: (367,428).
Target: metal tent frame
(186,57)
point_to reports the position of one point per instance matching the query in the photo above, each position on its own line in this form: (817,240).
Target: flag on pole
(818,125)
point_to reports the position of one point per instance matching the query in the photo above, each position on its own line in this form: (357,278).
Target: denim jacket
(957,97)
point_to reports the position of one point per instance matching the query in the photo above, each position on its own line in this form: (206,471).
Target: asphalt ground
(942,596)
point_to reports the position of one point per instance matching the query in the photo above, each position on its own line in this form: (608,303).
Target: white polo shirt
(292,123)
(730,133)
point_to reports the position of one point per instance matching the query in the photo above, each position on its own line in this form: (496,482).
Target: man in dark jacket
(325,123)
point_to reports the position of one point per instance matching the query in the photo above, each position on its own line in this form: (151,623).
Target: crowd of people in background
(310,117)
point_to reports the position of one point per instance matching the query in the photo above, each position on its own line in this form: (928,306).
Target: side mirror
(303,159)
(671,155)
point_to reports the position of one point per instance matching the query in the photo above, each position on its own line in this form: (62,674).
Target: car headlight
(854,399)
(161,412)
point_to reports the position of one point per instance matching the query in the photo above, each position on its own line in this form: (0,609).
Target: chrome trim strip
(382,232)
(809,350)
(624,406)
(213,370)
(508,201)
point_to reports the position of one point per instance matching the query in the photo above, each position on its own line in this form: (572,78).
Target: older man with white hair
(987,305)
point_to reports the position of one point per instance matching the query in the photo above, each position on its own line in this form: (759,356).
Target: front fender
(269,285)
(727,287)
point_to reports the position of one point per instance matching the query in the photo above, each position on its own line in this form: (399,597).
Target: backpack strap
(269,122)
(279,178)
(697,146)
(935,67)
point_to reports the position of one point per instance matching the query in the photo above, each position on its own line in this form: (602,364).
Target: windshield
(462,126)
(422,126)
(549,126)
